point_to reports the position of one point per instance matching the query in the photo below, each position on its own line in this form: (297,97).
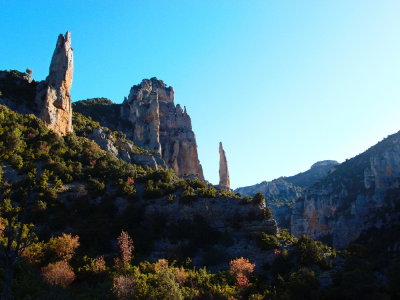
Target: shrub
(241,266)
(170,198)
(303,284)
(258,199)
(123,287)
(312,252)
(268,242)
(267,213)
(209,192)
(59,273)
(125,244)
(286,238)
(188,195)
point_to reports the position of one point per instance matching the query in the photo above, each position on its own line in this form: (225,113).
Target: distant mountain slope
(360,194)
(317,171)
(289,188)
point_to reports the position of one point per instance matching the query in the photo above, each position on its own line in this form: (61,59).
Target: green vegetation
(69,209)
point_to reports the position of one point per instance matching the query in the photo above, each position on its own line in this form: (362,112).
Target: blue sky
(282,84)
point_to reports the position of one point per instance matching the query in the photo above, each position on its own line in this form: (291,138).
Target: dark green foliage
(267,213)
(268,242)
(258,199)
(15,86)
(311,252)
(303,285)
(101,110)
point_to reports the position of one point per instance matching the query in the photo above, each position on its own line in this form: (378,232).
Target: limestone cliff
(360,194)
(224,181)
(281,193)
(155,123)
(53,97)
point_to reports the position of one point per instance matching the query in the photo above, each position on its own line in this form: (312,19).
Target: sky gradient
(282,84)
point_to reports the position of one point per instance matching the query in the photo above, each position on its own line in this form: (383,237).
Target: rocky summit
(149,117)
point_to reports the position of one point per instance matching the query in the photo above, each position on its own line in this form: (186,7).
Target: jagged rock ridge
(360,194)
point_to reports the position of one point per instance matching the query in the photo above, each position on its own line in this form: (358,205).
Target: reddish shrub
(125,244)
(59,273)
(242,281)
(241,266)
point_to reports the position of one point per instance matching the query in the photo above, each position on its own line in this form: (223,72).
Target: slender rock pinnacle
(52,95)
(224,181)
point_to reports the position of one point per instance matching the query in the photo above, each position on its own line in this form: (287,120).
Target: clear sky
(282,84)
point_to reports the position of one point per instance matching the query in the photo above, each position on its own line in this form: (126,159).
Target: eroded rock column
(224,181)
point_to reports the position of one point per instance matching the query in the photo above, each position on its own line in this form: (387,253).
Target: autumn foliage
(241,268)
(125,244)
(59,273)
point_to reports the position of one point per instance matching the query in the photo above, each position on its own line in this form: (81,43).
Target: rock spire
(224,181)
(53,95)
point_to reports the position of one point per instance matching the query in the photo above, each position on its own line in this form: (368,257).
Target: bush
(267,213)
(312,252)
(64,246)
(258,199)
(209,192)
(59,273)
(303,284)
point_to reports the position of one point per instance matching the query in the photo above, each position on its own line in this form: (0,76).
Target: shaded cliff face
(282,193)
(155,123)
(354,198)
(53,98)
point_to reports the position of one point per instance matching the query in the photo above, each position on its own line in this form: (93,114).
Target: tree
(64,246)
(125,244)
(15,237)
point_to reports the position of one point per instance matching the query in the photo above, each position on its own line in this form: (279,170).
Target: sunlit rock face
(224,181)
(157,124)
(53,97)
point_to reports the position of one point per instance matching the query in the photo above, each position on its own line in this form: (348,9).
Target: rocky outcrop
(224,181)
(53,97)
(125,150)
(156,124)
(359,195)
